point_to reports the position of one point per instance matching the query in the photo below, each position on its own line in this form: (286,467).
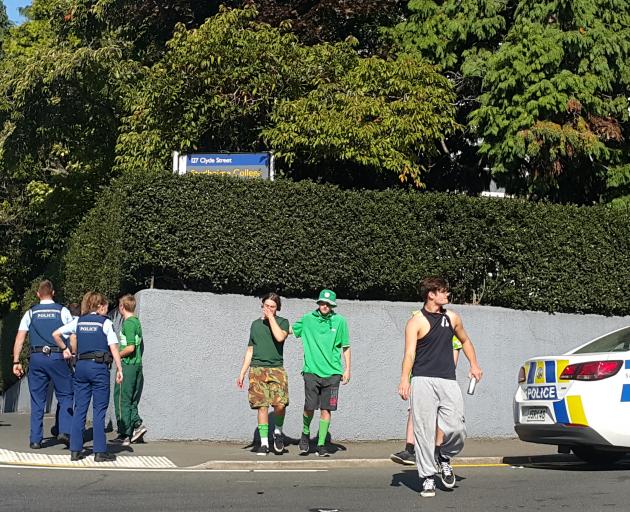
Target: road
(543,486)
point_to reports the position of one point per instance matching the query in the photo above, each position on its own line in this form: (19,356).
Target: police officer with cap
(97,348)
(47,362)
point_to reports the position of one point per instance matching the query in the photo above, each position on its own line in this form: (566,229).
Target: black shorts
(320,392)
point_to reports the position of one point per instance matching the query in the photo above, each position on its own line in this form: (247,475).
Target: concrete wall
(194,346)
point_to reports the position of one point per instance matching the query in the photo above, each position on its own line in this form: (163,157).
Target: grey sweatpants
(433,399)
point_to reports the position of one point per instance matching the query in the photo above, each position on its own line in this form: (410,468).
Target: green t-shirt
(323,338)
(131,334)
(267,351)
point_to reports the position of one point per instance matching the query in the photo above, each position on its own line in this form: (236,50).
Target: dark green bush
(242,236)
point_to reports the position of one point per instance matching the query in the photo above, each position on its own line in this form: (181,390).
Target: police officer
(97,348)
(47,362)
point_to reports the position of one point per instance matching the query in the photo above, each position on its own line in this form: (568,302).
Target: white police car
(579,401)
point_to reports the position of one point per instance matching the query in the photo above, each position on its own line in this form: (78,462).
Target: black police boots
(64,438)
(104,457)
(74,456)
(35,446)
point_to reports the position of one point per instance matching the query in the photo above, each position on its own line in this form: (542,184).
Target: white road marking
(42,459)
(158,470)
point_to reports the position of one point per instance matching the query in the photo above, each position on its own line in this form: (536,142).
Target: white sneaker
(428,488)
(138,432)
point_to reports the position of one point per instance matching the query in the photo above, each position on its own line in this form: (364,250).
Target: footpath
(210,455)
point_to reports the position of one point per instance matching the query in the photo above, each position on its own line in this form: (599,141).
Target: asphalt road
(549,486)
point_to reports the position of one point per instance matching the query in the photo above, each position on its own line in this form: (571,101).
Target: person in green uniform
(127,394)
(325,338)
(268,382)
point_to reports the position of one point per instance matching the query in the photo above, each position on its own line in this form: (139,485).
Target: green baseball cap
(327,296)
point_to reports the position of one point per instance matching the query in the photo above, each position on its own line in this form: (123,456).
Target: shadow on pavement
(119,448)
(407,479)
(295,441)
(411,480)
(563,462)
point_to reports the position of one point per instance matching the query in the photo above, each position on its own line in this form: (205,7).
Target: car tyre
(595,456)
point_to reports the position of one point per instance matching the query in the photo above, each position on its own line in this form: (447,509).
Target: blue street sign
(243,165)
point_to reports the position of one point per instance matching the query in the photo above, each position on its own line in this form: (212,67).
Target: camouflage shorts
(267,387)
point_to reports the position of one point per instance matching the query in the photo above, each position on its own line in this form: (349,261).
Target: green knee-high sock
(263,430)
(323,430)
(279,421)
(306,429)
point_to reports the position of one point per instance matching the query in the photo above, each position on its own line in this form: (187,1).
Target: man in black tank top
(434,394)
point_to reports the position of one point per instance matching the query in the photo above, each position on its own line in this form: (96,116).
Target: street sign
(242,165)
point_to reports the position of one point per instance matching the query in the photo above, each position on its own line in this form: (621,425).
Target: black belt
(97,357)
(45,349)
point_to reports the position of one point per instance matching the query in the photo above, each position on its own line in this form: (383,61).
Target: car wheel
(595,456)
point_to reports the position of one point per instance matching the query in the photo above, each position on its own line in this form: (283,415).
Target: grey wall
(195,342)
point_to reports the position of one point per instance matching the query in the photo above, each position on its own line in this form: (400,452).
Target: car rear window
(618,341)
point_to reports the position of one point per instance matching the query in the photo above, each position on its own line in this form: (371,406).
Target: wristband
(16,362)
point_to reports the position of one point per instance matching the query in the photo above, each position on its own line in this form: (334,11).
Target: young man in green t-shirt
(324,335)
(268,383)
(127,394)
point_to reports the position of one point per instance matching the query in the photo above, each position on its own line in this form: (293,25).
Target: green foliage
(59,111)
(553,114)
(332,20)
(9,324)
(544,86)
(60,106)
(230,235)
(76,98)
(5,23)
(387,115)
(457,36)
(236,85)
(142,26)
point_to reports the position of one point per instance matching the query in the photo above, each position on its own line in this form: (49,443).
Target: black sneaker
(74,456)
(104,457)
(305,443)
(322,451)
(446,472)
(35,446)
(262,450)
(428,488)
(278,442)
(64,438)
(406,458)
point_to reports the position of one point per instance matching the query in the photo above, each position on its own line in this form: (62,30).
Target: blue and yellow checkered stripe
(568,410)
(545,372)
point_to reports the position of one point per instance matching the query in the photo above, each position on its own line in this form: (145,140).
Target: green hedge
(242,236)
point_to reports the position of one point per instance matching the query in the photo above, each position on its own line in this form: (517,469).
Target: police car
(580,400)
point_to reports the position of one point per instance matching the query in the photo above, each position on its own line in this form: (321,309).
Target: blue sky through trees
(13,9)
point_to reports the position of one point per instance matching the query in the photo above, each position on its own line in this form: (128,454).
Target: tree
(554,112)
(237,85)
(333,20)
(457,36)
(384,115)
(542,89)
(59,116)
(5,23)
(143,27)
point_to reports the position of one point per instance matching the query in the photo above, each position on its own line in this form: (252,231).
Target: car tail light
(521,375)
(593,370)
